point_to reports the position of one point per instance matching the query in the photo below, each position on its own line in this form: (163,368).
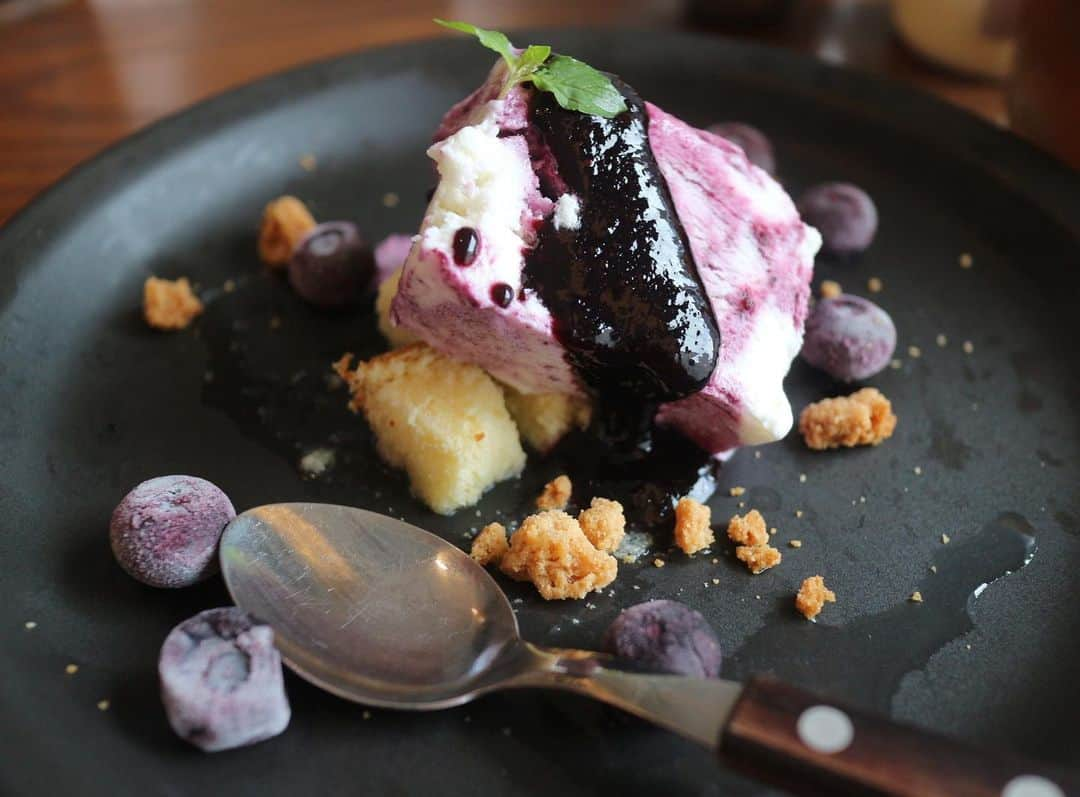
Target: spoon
(380,612)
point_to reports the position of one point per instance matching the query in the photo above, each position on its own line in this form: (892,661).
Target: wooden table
(82,74)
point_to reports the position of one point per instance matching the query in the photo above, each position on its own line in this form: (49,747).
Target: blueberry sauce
(622,288)
(466,246)
(502,294)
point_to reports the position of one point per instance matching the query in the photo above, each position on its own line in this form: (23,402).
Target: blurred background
(77,75)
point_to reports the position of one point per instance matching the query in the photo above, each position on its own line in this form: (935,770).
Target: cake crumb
(550,550)
(812,597)
(917,470)
(716,581)
(692,529)
(103,705)
(874,285)
(941,340)
(285,221)
(758,558)
(603,523)
(169,304)
(798,513)
(968,347)
(71,669)
(916,597)
(772,531)
(802,478)
(556,494)
(737,491)
(658,562)
(308,162)
(316,462)
(490,544)
(757,455)
(945,539)
(896,365)
(228,286)
(795,543)
(365,714)
(933,568)
(863,418)
(748,529)
(914,352)
(390,199)
(966,260)
(830,289)
(29,625)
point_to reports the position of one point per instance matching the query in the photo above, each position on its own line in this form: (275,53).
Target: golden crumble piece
(556,494)
(812,596)
(758,558)
(442,421)
(863,418)
(550,550)
(169,304)
(546,418)
(692,529)
(603,523)
(396,336)
(748,529)
(830,289)
(490,544)
(284,222)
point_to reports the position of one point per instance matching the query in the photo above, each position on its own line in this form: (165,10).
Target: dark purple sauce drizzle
(502,294)
(466,246)
(623,288)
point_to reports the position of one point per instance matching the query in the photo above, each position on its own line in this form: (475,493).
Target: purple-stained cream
(753,258)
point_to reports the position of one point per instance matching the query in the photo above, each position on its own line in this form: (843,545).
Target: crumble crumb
(103,705)
(945,539)
(692,530)
(603,523)
(802,478)
(968,347)
(550,550)
(917,470)
(490,544)
(830,289)
(758,558)
(916,597)
(863,418)
(228,286)
(798,513)
(390,199)
(556,494)
(365,714)
(308,162)
(896,365)
(772,530)
(29,625)
(715,581)
(658,562)
(874,285)
(933,568)
(737,491)
(316,462)
(966,260)
(941,340)
(812,597)
(71,669)
(285,221)
(169,304)
(914,352)
(748,529)
(795,543)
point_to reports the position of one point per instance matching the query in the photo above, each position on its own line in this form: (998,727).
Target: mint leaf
(579,87)
(491,39)
(533,57)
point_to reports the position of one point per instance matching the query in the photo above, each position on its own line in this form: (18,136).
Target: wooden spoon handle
(799,742)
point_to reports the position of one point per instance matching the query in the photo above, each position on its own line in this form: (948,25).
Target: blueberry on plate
(221,681)
(754,144)
(665,636)
(165,532)
(332,267)
(843,213)
(849,338)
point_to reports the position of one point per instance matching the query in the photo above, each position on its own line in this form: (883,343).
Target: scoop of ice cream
(844,214)
(221,681)
(165,532)
(665,636)
(849,338)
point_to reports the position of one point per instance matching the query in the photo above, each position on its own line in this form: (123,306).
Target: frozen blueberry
(390,254)
(332,266)
(165,532)
(843,213)
(753,142)
(849,338)
(221,680)
(665,636)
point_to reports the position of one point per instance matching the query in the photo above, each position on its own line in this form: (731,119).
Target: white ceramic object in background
(972,36)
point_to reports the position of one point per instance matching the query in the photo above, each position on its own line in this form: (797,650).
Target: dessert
(664,275)
(748,529)
(550,550)
(221,681)
(165,532)
(331,266)
(863,418)
(443,421)
(849,338)
(758,558)
(556,494)
(396,336)
(603,523)
(285,222)
(169,304)
(754,144)
(665,636)
(812,597)
(843,213)
(692,529)
(545,418)
(490,545)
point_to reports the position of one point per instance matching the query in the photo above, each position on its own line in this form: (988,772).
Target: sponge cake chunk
(444,422)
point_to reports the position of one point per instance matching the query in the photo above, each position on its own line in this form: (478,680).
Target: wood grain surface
(77,76)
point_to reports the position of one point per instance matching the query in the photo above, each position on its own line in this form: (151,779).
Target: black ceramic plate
(93,402)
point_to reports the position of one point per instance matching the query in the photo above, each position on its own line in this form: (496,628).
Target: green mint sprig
(575,85)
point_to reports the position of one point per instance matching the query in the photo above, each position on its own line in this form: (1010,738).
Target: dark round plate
(93,402)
